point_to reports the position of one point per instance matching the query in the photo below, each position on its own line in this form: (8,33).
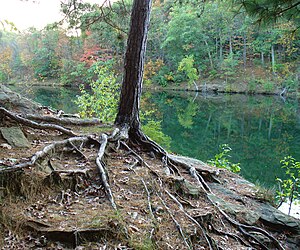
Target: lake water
(261,130)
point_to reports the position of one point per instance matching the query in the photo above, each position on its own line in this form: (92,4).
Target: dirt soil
(61,203)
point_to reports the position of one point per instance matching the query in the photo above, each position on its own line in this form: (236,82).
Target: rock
(11,100)
(226,206)
(15,137)
(199,165)
(251,211)
(186,188)
(276,218)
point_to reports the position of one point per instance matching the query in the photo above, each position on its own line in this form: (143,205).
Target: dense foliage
(222,44)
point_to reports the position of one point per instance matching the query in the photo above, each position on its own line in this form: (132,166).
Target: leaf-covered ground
(61,202)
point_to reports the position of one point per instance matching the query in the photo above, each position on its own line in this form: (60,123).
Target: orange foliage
(151,68)
(95,54)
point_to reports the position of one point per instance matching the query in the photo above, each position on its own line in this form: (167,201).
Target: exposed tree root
(34,124)
(179,228)
(142,139)
(190,218)
(179,172)
(203,185)
(47,152)
(234,236)
(64,120)
(103,171)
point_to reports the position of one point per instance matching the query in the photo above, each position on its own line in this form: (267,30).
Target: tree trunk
(262,59)
(128,112)
(273,58)
(209,54)
(221,51)
(245,51)
(230,46)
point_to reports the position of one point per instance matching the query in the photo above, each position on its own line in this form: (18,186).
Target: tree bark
(262,59)
(128,112)
(209,54)
(273,58)
(245,51)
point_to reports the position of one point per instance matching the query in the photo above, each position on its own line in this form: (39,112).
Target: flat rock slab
(15,137)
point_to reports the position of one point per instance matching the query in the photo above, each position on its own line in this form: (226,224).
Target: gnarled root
(33,124)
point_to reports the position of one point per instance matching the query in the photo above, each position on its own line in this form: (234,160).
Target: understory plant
(102,99)
(221,160)
(289,188)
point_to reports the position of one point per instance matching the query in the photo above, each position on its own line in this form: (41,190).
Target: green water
(56,97)
(261,130)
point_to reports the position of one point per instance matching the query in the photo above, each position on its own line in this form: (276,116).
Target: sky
(31,13)
(25,14)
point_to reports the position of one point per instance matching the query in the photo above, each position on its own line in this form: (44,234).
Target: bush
(268,86)
(221,160)
(289,188)
(101,101)
(164,77)
(3,77)
(153,129)
(73,72)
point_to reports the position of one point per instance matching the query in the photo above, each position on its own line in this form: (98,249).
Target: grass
(265,194)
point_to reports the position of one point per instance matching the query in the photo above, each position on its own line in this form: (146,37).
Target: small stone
(134,215)
(5,145)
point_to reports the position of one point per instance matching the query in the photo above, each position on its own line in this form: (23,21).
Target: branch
(288,8)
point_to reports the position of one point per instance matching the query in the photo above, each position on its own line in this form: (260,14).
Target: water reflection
(55,97)
(261,130)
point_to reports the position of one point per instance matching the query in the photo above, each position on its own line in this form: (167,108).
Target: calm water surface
(261,130)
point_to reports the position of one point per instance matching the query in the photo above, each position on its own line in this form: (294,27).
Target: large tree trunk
(128,113)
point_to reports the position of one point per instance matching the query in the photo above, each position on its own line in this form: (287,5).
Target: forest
(224,45)
(132,169)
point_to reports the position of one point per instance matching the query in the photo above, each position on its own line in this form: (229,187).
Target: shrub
(289,188)
(221,160)
(102,99)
